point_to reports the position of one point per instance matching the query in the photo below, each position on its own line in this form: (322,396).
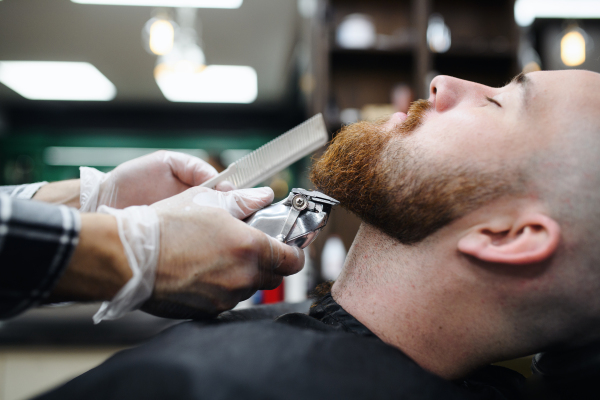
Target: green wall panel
(22,153)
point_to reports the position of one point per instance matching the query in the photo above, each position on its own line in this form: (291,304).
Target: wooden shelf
(484,48)
(491,69)
(374,51)
(371,60)
(469,52)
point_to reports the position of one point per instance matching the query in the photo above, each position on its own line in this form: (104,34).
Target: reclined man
(479,244)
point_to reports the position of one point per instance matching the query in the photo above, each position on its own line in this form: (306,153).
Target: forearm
(62,192)
(98,268)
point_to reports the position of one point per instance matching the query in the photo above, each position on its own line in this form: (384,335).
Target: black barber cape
(327,354)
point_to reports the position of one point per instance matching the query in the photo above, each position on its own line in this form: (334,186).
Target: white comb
(274,156)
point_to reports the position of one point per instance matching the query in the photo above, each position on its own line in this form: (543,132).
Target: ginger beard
(377,174)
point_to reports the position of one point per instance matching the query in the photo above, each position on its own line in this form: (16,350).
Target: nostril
(434,90)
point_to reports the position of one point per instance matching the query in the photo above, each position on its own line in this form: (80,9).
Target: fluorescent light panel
(167,3)
(48,80)
(215,84)
(526,11)
(103,156)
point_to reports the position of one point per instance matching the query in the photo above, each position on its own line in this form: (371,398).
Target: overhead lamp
(182,75)
(159,35)
(356,31)
(50,80)
(167,3)
(438,34)
(184,60)
(572,47)
(526,11)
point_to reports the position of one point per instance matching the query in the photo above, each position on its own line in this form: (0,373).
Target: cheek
(460,135)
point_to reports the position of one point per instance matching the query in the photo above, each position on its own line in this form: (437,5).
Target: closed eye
(493,101)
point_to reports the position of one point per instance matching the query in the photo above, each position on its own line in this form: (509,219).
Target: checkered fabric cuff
(36,244)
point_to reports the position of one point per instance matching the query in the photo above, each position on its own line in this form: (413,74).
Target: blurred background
(98,82)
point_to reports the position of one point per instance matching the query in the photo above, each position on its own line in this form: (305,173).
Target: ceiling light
(160,36)
(49,80)
(213,84)
(526,11)
(167,3)
(185,60)
(572,48)
(182,74)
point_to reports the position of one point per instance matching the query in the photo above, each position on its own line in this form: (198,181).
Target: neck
(432,314)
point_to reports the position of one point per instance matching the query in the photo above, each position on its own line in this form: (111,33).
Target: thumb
(239,203)
(251,200)
(190,170)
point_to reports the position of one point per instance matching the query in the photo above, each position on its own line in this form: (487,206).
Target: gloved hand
(144,180)
(191,258)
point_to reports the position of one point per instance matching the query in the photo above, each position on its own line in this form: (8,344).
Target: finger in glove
(239,203)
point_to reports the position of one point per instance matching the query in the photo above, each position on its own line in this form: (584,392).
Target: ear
(529,239)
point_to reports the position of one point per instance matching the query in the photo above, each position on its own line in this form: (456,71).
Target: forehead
(555,103)
(566,91)
(559,101)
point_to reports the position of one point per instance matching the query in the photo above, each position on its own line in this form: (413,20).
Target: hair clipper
(296,220)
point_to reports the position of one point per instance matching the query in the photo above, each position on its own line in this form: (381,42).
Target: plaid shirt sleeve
(36,244)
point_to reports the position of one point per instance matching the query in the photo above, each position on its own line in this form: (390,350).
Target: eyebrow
(524,82)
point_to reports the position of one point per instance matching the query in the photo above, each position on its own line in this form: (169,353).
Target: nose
(446,92)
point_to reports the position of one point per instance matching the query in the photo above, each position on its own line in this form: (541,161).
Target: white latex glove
(239,203)
(139,231)
(144,180)
(205,262)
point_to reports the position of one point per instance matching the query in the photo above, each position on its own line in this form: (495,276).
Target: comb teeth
(280,152)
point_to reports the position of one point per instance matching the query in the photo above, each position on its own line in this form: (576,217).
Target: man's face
(469,145)
(487,125)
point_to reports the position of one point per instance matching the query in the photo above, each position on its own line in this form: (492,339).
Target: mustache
(416,114)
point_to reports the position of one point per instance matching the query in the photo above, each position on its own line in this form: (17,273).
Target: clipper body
(296,220)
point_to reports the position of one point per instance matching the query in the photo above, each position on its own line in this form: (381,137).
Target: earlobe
(531,239)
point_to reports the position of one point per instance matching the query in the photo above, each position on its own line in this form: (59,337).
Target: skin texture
(96,272)
(514,275)
(63,192)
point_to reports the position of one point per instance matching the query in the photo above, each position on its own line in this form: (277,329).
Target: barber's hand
(144,180)
(190,256)
(209,259)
